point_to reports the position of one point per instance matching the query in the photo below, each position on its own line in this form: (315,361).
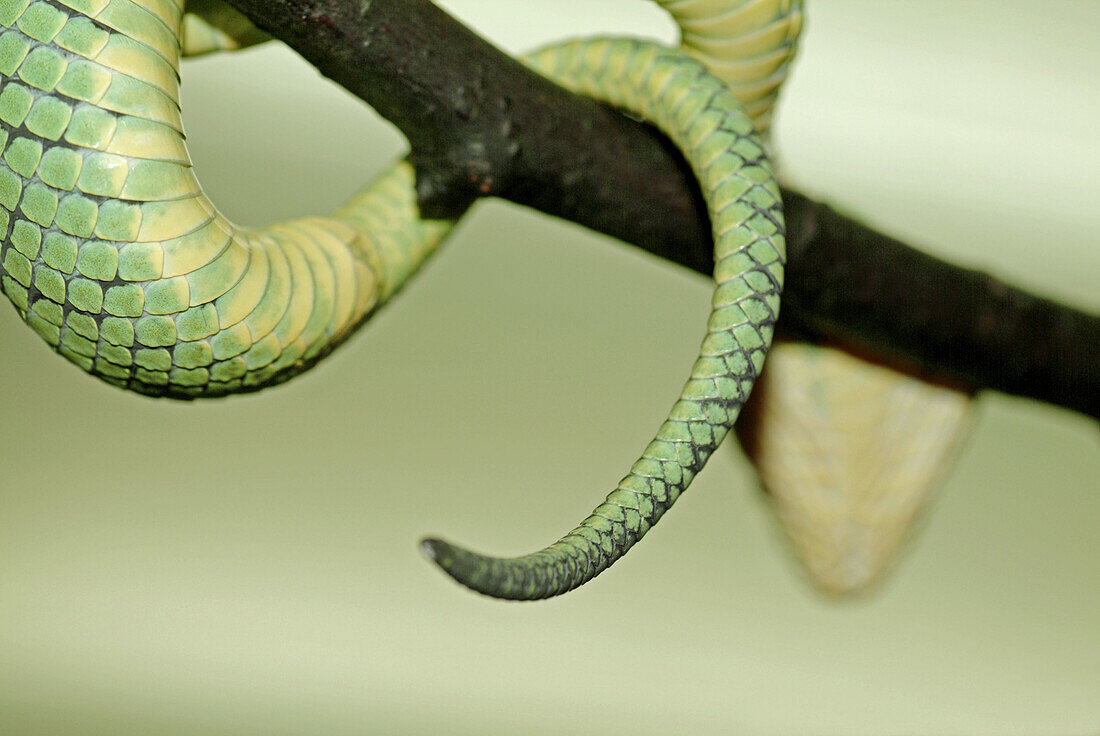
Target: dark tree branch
(877,295)
(481,124)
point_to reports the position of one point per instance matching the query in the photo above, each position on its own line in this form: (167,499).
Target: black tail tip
(436,550)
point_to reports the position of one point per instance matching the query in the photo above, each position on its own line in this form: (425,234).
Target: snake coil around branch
(113,254)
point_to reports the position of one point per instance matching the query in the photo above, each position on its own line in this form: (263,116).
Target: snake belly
(115,256)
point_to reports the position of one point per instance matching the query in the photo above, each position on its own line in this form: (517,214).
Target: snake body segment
(113,254)
(748,44)
(706,121)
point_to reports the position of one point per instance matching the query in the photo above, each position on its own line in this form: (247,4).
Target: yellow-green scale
(717,138)
(115,257)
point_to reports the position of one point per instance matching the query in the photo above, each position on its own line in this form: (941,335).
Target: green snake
(115,257)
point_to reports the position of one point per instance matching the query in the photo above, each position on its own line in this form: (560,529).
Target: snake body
(112,253)
(747,46)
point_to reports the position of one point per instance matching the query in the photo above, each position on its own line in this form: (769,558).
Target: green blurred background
(249,566)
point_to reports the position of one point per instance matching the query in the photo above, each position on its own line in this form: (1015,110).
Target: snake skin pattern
(716,136)
(748,44)
(113,254)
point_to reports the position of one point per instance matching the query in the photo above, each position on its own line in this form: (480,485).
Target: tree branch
(481,124)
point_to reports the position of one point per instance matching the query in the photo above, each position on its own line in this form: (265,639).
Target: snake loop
(111,251)
(115,256)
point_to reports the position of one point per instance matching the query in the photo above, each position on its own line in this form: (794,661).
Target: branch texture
(481,124)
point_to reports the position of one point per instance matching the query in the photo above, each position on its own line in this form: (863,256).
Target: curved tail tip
(446,556)
(465,567)
(435,550)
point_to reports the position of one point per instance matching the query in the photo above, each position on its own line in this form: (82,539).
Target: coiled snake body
(113,254)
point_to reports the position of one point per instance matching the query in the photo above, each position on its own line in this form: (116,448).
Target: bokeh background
(249,566)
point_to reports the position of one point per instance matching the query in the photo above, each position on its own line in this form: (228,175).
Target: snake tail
(703,118)
(113,254)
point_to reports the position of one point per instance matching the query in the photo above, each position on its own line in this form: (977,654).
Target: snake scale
(115,257)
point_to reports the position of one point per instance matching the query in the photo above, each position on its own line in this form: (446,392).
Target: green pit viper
(115,257)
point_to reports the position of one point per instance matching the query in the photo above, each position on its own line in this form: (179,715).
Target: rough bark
(481,124)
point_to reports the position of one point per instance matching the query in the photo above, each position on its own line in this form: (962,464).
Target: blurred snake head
(850,453)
